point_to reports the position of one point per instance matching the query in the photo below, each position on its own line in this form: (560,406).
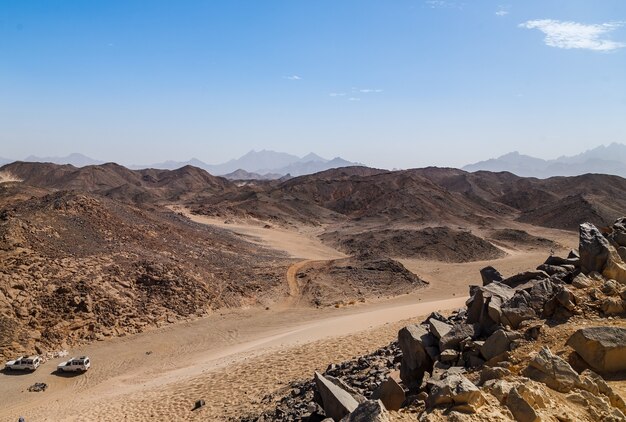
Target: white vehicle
(24,363)
(80,364)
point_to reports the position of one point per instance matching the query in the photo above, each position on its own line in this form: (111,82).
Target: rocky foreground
(546,344)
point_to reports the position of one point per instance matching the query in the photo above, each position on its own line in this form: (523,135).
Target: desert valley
(185,287)
(316,211)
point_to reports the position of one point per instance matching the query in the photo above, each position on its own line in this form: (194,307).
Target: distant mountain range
(75,159)
(609,159)
(265,165)
(262,164)
(255,165)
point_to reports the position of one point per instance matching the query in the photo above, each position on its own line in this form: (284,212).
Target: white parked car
(80,364)
(24,363)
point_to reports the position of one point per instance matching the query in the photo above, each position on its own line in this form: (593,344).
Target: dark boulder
(489,275)
(457,334)
(526,276)
(416,360)
(518,309)
(593,248)
(390,393)
(498,343)
(484,305)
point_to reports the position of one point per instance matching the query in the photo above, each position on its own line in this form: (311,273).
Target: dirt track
(292,281)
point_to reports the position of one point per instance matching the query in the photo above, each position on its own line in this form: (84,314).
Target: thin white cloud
(337,94)
(369,90)
(293,77)
(576,35)
(502,11)
(442,4)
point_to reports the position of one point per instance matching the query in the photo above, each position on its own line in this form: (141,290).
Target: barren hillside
(119,182)
(78,267)
(435,243)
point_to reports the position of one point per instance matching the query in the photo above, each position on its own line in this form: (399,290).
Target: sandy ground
(302,243)
(232,359)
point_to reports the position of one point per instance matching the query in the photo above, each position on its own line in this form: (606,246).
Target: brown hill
(438,196)
(345,281)
(76,267)
(516,238)
(567,213)
(557,202)
(434,243)
(119,182)
(357,194)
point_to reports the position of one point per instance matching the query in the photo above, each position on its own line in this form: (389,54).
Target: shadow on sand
(66,374)
(12,372)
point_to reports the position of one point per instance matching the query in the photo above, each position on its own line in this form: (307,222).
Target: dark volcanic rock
(484,307)
(489,275)
(390,393)
(593,248)
(413,341)
(521,278)
(518,309)
(457,334)
(498,343)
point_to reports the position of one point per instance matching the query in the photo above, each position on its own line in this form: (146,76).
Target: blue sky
(405,83)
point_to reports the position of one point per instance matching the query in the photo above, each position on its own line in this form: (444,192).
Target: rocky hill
(77,267)
(434,243)
(115,181)
(431,196)
(355,279)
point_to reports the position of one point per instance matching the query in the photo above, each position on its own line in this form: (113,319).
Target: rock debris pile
(546,344)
